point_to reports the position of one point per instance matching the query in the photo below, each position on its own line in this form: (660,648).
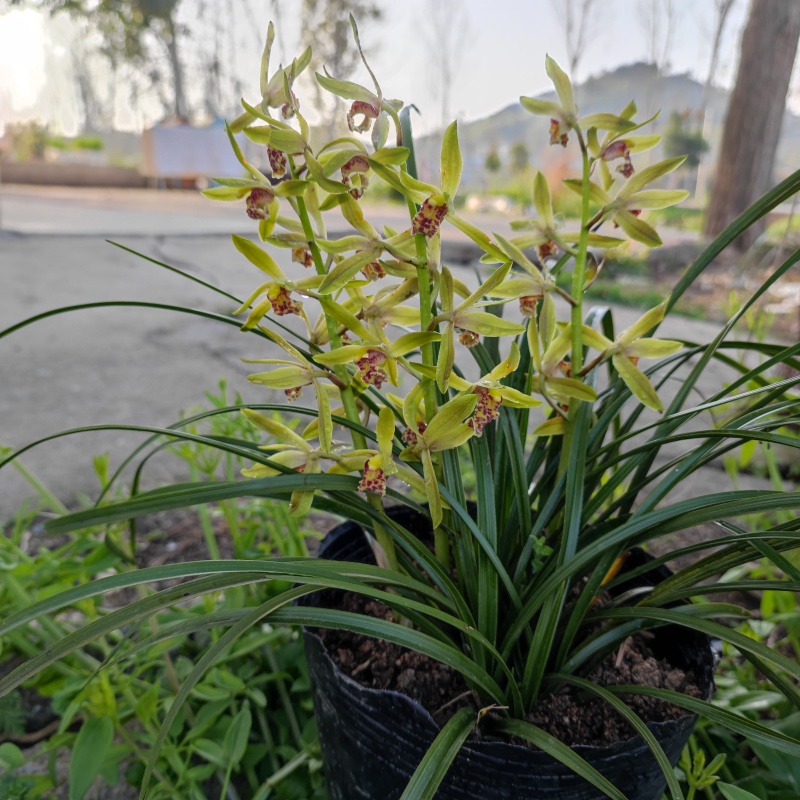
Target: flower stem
(578,282)
(348,398)
(441,541)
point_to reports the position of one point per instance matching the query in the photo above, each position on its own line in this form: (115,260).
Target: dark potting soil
(571,716)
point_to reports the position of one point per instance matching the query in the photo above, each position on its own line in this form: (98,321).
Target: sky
(499,54)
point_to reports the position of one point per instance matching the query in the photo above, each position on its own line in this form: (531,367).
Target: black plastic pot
(373,740)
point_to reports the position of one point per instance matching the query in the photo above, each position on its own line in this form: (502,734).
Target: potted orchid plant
(530,586)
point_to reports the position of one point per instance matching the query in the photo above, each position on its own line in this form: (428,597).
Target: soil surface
(570,715)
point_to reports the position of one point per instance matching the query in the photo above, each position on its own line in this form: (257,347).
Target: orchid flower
(445,431)
(291,375)
(278,291)
(261,195)
(624,209)
(292,452)
(619,145)
(549,346)
(374,355)
(629,346)
(544,233)
(490,391)
(369,110)
(470,322)
(276,92)
(564,116)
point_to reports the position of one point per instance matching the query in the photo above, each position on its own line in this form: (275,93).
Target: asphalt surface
(133,366)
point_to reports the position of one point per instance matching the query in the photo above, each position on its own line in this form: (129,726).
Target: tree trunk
(755,113)
(179,106)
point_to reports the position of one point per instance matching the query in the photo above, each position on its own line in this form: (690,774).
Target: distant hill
(611,91)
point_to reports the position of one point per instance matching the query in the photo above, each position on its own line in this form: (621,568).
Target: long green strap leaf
(560,751)
(399,634)
(687,616)
(735,722)
(625,711)
(311,569)
(441,754)
(682,515)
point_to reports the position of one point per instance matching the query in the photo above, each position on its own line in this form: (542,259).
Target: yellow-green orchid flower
(276,92)
(433,199)
(490,391)
(469,321)
(384,307)
(619,145)
(531,287)
(446,430)
(374,355)
(544,233)
(629,346)
(564,116)
(293,452)
(278,290)
(291,375)
(351,159)
(369,109)
(632,198)
(549,346)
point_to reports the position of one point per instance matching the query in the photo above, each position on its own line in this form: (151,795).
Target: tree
(657,20)
(520,157)
(681,140)
(492,163)
(575,17)
(124,28)
(722,8)
(755,113)
(446,28)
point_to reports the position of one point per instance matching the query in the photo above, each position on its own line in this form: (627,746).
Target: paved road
(127,365)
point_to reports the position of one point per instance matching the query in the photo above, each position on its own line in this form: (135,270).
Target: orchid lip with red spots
(366,111)
(281,301)
(370,368)
(360,166)
(373,480)
(429,218)
(486,410)
(277,161)
(258,203)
